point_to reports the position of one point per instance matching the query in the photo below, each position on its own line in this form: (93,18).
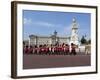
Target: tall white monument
(74,32)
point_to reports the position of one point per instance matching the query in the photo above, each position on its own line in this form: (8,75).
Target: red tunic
(30,50)
(67,48)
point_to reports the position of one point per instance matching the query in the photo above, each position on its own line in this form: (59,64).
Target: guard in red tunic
(52,50)
(31,50)
(73,51)
(38,50)
(61,50)
(35,50)
(42,50)
(40,46)
(67,49)
(55,50)
(47,50)
(26,50)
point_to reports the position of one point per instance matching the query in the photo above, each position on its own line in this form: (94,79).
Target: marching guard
(73,51)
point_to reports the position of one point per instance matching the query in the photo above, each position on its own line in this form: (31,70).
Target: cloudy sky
(46,22)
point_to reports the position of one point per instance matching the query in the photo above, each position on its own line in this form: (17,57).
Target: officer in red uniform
(47,50)
(64,50)
(26,50)
(52,50)
(31,50)
(73,51)
(39,49)
(55,50)
(35,50)
(61,50)
(67,49)
(42,50)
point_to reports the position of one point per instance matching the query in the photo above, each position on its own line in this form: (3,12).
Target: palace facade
(55,39)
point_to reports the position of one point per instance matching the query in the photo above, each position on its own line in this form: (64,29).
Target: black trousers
(73,52)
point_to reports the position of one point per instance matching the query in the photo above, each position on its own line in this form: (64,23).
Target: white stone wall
(63,40)
(32,41)
(47,40)
(43,40)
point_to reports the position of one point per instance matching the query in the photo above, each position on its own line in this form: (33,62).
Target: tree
(83,40)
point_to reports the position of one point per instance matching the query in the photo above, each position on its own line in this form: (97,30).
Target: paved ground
(50,61)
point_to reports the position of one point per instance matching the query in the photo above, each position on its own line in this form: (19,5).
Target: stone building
(54,39)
